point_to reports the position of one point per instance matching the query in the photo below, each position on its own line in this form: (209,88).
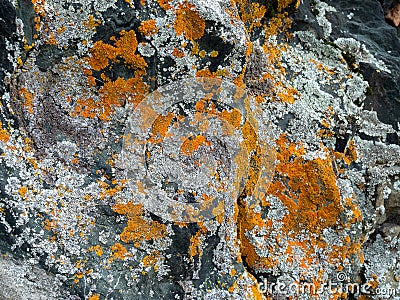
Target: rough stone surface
(322,107)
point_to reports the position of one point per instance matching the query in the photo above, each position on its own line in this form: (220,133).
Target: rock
(20,280)
(392,16)
(382,40)
(390,230)
(111,110)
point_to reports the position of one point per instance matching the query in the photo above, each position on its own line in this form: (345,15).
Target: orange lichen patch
(234,117)
(191,145)
(4,134)
(202,53)
(189,22)
(195,242)
(111,190)
(205,73)
(28,99)
(195,48)
(257,293)
(101,53)
(282,4)
(250,137)
(350,153)
(178,53)
(164,4)
(247,220)
(287,94)
(118,251)
(94,297)
(374,283)
(308,190)
(138,229)
(148,28)
(92,22)
(251,13)
(75,160)
(50,224)
(161,125)
(51,40)
(61,29)
(114,93)
(96,249)
(274,74)
(151,260)
(233,287)
(126,47)
(22,191)
(214,53)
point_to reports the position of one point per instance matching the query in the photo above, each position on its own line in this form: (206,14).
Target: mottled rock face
(199,149)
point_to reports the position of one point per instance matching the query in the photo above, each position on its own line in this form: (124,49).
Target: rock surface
(317,165)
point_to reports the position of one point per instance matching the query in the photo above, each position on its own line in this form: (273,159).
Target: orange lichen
(91,22)
(160,127)
(151,260)
(51,39)
(50,224)
(350,153)
(148,28)
(205,73)
(22,191)
(308,190)
(4,134)
(111,190)
(195,242)
(28,99)
(191,145)
(214,53)
(234,117)
(251,13)
(279,89)
(126,47)
(96,249)
(282,4)
(114,93)
(189,22)
(178,53)
(138,229)
(101,53)
(61,29)
(165,4)
(94,297)
(118,251)
(202,54)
